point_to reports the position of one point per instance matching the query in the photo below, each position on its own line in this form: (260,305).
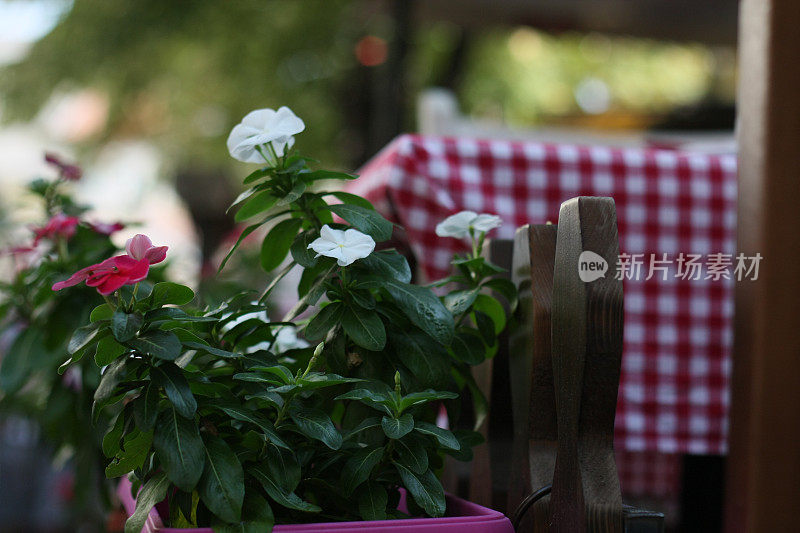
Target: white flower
(344,246)
(485,222)
(261,127)
(458,225)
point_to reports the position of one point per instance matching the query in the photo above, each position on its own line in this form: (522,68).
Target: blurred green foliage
(182,73)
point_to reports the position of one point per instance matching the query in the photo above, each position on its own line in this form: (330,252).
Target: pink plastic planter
(467,517)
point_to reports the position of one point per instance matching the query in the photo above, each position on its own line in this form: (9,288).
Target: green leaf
(424,357)
(296,192)
(171,314)
(113,437)
(372,501)
(485,327)
(459,301)
(244,195)
(101,312)
(242,236)
(316,424)
(257,517)
(506,288)
(82,337)
(124,325)
(247,415)
(425,489)
(377,400)
(394,428)
(479,264)
(365,220)
(468,347)
(221,486)
(284,374)
(327,175)
(363,299)
(187,336)
(277,243)
(424,309)
(367,423)
(300,251)
(161,344)
(318,380)
(110,379)
(411,453)
(364,327)
(282,467)
(494,309)
(480,406)
(179,448)
(357,469)
(107,350)
(168,292)
(203,347)
(176,387)
(253,176)
(153,491)
(133,454)
(328,318)
(352,199)
(289,500)
(429,395)
(387,263)
(443,436)
(145,407)
(257,203)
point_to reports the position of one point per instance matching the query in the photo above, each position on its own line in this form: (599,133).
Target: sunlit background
(143,94)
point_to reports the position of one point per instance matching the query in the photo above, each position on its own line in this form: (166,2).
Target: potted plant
(217,422)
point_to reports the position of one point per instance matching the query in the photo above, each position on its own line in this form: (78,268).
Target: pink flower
(140,247)
(109,275)
(120,270)
(59,225)
(104,228)
(67,171)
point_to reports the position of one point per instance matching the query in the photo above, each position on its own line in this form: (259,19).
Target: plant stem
(109,302)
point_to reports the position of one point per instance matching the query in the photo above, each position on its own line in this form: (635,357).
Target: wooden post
(763,483)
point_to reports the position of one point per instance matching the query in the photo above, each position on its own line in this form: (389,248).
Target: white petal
(456,225)
(239,133)
(486,222)
(259,118)
(286,122)
(238,150)
(322,246)
(360,250)
(332,235)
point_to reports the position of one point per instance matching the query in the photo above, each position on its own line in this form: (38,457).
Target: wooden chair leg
(533,396)
(565,364)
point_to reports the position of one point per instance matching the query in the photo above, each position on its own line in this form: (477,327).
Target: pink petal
(131,269)
(111,283)
(138,245)
(156,254)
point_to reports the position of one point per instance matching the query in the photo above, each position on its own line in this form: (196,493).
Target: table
(673,395)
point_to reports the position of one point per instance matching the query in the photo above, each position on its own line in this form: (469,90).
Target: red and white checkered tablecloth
(676,362)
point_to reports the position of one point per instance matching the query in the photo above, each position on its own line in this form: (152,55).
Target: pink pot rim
(467,515)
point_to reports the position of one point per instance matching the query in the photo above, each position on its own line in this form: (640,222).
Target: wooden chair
(565,365)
